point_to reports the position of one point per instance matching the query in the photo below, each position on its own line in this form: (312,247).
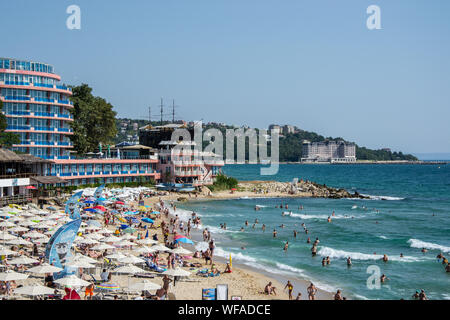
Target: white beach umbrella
(80,257)
(5,214)
(88,241)
(131,259)
(72,280)
(103,246)
(147,241)
(144,249)
(144,285)
(44,268)
(43,239)
(12,276)
(129,269)
(125,243)
(105,231)
(19,241)
(94,236)
(23,260)
(6,224)
(34,290)
(128,237)
(160,247)
(34,235)
(181,250)
(177,272)
(19,229)
(92,228)
(111,239)
(16,219)
(7,252)
(6,236)
(26,223)
(116,256)
(80,264)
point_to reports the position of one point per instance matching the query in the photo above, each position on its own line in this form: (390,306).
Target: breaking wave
(415,243)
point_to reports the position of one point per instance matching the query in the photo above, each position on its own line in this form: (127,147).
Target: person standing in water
(286,246)
(274,233)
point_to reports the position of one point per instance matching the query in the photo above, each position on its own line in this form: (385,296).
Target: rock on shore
(302,188)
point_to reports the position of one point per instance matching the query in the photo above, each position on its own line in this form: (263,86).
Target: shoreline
(279,280)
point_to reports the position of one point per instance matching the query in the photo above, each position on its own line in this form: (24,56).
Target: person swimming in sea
(349,262)
(282,226)
(286,246)
(329,219)
(385,258)
(274,233)
(308,240)
(263,227)
(242,229)
(383,278)
(324,262)
(314,250)
(295,233)
(246,223)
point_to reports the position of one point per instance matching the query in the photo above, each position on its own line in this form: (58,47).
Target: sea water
(409,210)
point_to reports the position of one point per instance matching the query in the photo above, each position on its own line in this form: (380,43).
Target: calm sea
(409,210)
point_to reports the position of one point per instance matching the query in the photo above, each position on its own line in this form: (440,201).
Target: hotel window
(81,168)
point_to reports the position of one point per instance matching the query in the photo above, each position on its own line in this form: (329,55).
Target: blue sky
(311,63)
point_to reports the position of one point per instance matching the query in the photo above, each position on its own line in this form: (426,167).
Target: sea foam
(415,243)
(341,254)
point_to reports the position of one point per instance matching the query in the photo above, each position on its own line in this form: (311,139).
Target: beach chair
(96,282)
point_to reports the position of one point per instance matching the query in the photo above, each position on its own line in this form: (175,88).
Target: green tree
(7,139)
(94,120)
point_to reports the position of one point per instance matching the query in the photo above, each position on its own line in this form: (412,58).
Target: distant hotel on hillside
(328,151)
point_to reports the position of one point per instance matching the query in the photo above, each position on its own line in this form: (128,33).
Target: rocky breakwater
(302,188)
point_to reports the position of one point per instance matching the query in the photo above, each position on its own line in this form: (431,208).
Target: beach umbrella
(30,187)
(144,286)
(131,259)
(80,257)
(181,250)
(103,246)
(90,210)
(19,229)
(34,290)
(80,264)
(4,214)
(111,239)
(87,241)
(177,272)
(72,280)
(144,249)
(160,247)
(155,212)
(130,212)
(147,241)
(88,201)
(107,287)
(6,236)
(101,208)
(92,228)
(148,220)
(116,256)
(128,237)
(12,276)
(7,252)
(119,202)
(52,208)
(34,234)
(105,231)
(94,236)
(132,219)
(129,269)
(184,240)
(23,260)
(129,230)
(19,241)
(125,243)
(44,268)
(7,224)
(94,223)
